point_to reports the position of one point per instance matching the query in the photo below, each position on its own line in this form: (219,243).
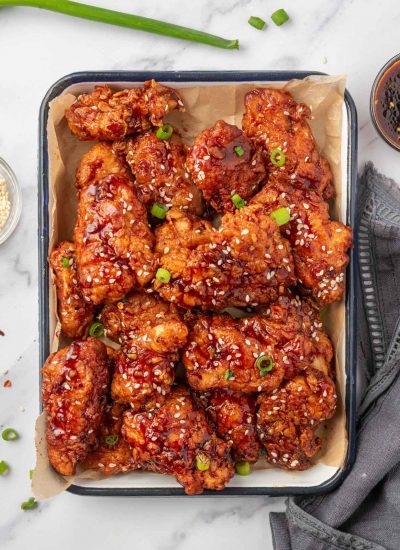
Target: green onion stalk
(121,19)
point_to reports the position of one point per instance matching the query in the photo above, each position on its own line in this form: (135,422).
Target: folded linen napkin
(364,512)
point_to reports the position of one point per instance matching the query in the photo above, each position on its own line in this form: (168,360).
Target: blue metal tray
(351,277)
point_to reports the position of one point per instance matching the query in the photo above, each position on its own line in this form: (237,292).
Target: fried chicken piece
(74,387)
(234,415)
(244,263)
(153,333)
(159,169)
(111,453)
(295,328)
(100,161)
(103,114)
(177,440)
(223,162)
(319,244)
(273,120)
(179,237)
(288,418)
(74,312)
(113,240)
(140,315)
(222,352)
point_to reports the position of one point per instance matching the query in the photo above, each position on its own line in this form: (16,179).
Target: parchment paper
(204,104)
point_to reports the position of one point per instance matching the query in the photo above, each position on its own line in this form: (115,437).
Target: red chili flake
(7,384)
(2,333)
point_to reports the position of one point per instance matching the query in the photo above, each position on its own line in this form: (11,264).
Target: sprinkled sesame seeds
(5,204)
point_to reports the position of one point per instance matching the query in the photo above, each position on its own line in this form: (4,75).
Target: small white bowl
(15,198)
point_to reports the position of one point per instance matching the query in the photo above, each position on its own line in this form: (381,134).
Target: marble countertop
(353,37)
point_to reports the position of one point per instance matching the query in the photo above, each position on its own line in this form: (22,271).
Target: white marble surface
(354,37)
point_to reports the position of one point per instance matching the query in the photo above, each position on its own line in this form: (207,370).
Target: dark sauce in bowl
(385,102)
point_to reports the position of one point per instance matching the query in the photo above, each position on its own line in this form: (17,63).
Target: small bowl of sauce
(385,102)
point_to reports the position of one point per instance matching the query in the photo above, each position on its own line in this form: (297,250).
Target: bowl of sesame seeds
(10,201)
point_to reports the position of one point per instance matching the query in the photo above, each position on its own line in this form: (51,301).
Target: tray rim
(351,275)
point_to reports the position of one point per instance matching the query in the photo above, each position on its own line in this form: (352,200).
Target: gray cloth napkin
(364,512)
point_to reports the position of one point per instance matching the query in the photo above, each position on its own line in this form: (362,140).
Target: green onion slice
(228,374)
(324,314)
(281,215)
(163,275)
(29,504)
(165,132)
(265,364)
(111,440)
(65,262)
(9,434)
(239,150)
(159,210)
(31,474)
(4,467)
(238,201)
(202,462)
(277,157)
(121,19)
(243,468)
(96,329)
(279,17)
(257,22)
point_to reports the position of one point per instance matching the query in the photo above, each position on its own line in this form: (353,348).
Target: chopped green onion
(324,314)
(9,434)
(239,150)
(277,153)
(121,19)
(281,215)
(279,17)
(163,275)
(111,440)
(165,132)
(31,474)
(243,468)
(228,374)
(257,22)
(265,364)
(65,262)
(238,201)
(4,467)
(202,462)
(29,504)
(159,210)
(96,329)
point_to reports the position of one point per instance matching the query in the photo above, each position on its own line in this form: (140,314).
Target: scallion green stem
(121,19)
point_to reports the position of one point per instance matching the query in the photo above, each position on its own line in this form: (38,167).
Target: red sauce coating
(387,104)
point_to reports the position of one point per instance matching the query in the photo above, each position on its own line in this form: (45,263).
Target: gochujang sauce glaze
(387,104)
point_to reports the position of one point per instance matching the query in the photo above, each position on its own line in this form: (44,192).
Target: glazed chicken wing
(234,416)
(276,123)
(176,439)
(113,240)
(74,312)
(319,244)
(288,418)
(74,387)
(159,169)
(111,453)
(153,333)
(255,353)
(244,263)
(100,161)
(103,114)
(144,315)
(223,162)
